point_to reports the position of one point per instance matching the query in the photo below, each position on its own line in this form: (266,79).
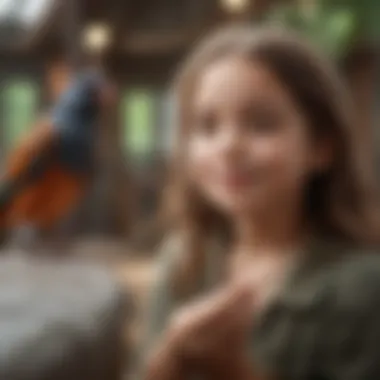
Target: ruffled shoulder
(326,323)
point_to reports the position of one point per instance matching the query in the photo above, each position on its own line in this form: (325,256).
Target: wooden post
(72,31)
(376,115)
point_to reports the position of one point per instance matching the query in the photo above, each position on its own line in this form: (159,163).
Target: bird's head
(82,102)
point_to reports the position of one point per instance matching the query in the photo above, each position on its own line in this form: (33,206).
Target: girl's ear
(323,155)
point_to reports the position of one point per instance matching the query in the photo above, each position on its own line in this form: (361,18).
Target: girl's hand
(199,333)
(201,329)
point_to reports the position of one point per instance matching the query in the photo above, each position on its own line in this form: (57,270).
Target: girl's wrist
(174,341)
(230,366)
(164,364)
(242,368)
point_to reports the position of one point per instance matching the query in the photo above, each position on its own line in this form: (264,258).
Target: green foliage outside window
(20,104)
(138,118)
(334,25)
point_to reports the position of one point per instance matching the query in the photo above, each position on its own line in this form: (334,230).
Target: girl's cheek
(198,161)
(265,149)
(269,151)
(282,161)
(201,154)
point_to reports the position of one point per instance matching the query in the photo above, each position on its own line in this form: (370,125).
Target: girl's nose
(231,141)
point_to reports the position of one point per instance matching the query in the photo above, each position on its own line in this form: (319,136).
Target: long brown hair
(340,203)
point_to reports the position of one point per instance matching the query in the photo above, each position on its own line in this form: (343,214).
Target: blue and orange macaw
(48,173)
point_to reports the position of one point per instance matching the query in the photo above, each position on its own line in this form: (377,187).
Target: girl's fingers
(231,306)
(228,309)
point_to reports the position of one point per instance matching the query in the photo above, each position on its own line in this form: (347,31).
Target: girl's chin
(241,206)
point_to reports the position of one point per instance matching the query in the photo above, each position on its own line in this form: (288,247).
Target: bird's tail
(8,191)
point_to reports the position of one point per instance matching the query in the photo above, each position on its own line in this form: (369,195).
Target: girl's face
(249,146)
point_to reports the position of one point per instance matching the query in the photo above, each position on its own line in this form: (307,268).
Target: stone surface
(60,319)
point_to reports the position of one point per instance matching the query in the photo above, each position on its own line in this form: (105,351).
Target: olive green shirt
(323,325)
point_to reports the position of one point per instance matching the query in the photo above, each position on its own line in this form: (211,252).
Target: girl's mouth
(237,180)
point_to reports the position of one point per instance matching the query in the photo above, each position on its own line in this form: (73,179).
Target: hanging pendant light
(97,37)
(235,6)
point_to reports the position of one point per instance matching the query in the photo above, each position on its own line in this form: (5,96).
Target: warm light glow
(97,37)
(235,6)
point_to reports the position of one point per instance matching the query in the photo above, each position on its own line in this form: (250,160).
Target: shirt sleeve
(331,332)
(350,339)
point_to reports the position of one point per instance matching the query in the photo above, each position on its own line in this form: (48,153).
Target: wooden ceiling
(139,27)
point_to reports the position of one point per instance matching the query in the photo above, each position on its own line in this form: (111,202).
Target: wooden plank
(153,43)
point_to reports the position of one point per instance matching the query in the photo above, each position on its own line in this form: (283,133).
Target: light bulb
(97,37)
(235,6)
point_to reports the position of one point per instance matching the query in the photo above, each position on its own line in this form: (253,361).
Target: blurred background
(142,43)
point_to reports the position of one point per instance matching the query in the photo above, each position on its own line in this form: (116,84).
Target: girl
(273,218)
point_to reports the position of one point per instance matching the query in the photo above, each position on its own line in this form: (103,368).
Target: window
(24,12)
(138,123)
(20,102)
(149,123)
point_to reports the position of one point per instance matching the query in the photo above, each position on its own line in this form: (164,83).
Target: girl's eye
(205,124)
(260,120)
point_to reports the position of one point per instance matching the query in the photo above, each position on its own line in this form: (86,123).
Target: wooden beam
(157,43)
(71,30)
(119,16)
